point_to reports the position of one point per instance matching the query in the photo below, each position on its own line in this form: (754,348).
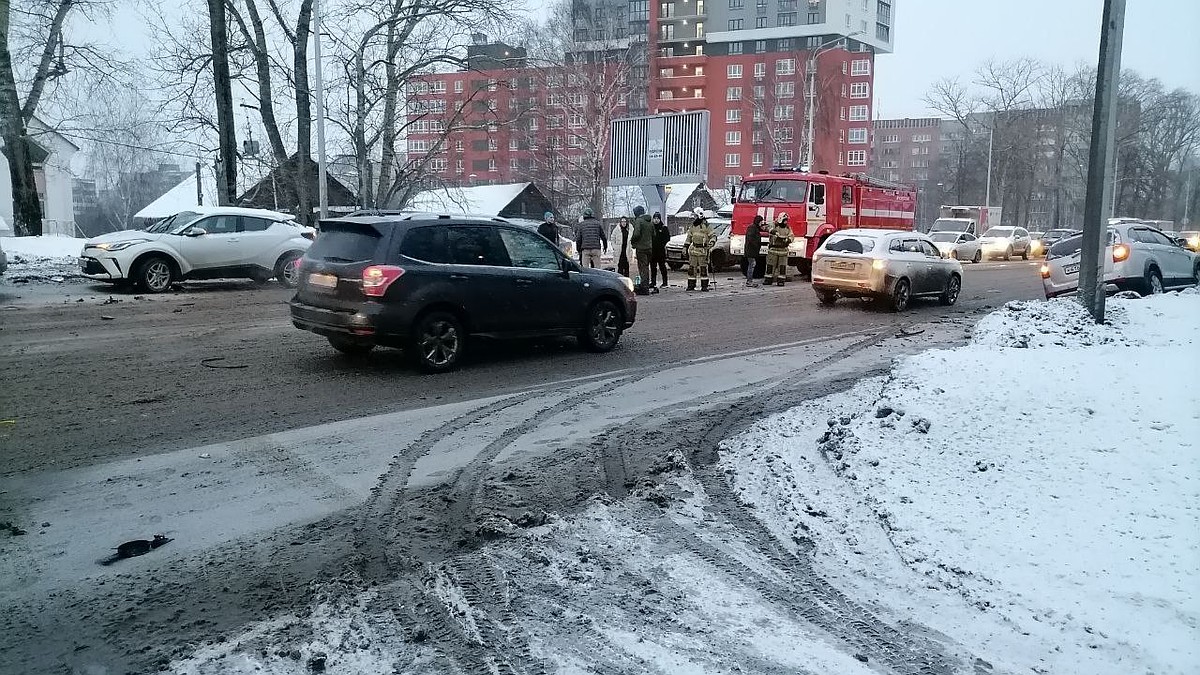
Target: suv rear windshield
(844,244)
(1071,245)
(1000,232)
(345,242)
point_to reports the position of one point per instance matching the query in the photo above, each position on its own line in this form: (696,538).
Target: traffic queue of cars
(429,283)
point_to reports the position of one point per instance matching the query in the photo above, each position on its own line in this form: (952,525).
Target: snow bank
(32,250)
(1032,494)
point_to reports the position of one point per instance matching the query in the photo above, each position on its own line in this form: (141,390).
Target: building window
(666,10)
(856,158)
(514,164)
(916,151)
(759,92)
(458,146)
(883,13)
(698,92)
(891,138)
(787,19)
(785,44)
(667,31)
(760,22)
(699,29)
(860,90)
(859,113)
(841,135)
(734,48)
(814,17)
(458,86)
(756,138)
(733,138)
(735,24)
(785,89)
(785,157)
(756,159)
(858,136)
(734,71)
(760,46)
(882,33)
(665,95)
(733,159)
(737,4)
(514,144)
(575,121)
(922,138)
(785,67)
(785,112)
(733,115)
(492,165)
(758,115)
(760,70)
(533,124)
(786,134)
(733,94)
(860,67)
(843,112)
(492,145)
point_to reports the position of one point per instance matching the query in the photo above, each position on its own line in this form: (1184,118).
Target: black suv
(424,283)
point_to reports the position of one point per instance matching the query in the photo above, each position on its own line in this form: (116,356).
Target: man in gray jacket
(590,239)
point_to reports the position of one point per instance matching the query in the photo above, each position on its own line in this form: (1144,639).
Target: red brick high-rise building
(751,63)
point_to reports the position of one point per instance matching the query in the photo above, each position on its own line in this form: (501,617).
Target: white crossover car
(894,266)
(204,242)
(1137,258)
(957,245)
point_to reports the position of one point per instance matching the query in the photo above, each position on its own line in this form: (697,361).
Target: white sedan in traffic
(895,266)
(204,242)
(957,245)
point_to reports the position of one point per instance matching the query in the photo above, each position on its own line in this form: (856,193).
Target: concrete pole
(1104,124)
(810,109)
(322,181)
(1112,211)
(987,199)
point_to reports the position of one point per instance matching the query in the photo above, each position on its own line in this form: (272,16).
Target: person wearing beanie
(548,228)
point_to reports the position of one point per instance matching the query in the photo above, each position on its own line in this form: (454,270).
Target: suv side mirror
(569,265)
(1181,242)
(195,232)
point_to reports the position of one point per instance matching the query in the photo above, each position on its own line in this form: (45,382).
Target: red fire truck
(819,204)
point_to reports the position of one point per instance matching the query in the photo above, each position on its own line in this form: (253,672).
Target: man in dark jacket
(549,229)
(754,236)
(658,256)
(591,239)
(643,244)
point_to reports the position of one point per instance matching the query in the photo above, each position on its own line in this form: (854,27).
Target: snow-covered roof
(622,200)
(182,197)
(480,200)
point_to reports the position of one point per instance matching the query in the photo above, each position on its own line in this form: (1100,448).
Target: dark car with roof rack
(428,283)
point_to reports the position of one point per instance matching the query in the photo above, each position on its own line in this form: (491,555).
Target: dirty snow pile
(54,258)
(1034,495)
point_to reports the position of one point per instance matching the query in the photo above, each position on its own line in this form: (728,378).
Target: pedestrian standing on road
(590,240)
(754,237)
(643,246)
(658,257)
(698,244)
(622,246)
(548,228)
(777,252)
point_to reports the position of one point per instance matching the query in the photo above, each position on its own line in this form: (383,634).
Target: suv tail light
(377,278)
(1045,271)
(1120,252)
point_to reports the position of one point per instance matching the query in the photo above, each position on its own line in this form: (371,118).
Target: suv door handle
(525,282)
(458,277)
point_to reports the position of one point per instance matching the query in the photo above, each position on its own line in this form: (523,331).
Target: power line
(131,146)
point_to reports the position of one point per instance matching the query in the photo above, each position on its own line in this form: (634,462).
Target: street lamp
(811,67)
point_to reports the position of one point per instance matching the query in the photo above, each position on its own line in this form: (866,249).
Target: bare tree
(585,61)
(218,29)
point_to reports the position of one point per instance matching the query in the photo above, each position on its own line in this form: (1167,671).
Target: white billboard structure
(659,150)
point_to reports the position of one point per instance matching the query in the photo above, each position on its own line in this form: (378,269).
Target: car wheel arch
(611,297)
(177,267)
(450,308)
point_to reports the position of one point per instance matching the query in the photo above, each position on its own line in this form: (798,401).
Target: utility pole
(987,198)
(1112,211)
(322,181)
(1104,124)
(811,107)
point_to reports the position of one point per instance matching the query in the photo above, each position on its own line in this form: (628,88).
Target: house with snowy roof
(512,200)
(52,154)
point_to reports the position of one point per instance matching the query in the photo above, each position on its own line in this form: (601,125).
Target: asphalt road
(90,375)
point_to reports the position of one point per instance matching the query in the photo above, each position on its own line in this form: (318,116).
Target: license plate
(326,281)
(841,265)
(1073,268)
(675,255)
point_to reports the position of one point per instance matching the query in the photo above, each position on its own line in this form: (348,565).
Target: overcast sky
(940,38)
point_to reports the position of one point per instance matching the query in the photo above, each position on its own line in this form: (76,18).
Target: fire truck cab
(817,205)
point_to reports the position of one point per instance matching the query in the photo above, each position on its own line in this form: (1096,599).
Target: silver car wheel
(157,276)
(439,343)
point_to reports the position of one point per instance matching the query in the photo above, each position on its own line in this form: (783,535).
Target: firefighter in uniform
(699,241)
(777,252)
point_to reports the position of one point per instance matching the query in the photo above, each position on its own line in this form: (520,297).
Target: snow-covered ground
(1034,495)
(52,258)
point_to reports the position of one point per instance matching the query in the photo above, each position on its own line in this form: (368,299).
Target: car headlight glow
(628,283)
(119,245)
(1194,241)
